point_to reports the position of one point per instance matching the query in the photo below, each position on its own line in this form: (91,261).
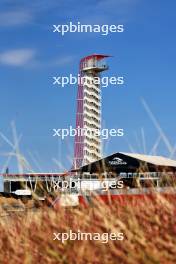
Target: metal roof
(156,160)
(97,56)
(33,174)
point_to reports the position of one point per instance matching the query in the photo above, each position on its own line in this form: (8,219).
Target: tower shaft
(88,117)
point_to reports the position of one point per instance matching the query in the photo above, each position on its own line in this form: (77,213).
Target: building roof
(97,56)
(35,174)
(156,160)
(124,162)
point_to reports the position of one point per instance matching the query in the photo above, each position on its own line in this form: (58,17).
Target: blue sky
(30,54)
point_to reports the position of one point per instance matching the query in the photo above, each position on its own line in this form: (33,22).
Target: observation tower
(87,147)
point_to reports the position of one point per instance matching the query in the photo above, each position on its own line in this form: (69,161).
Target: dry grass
(149,226)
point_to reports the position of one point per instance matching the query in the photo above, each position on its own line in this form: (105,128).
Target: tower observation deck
(87,146)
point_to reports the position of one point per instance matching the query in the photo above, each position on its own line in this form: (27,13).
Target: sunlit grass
(148,224)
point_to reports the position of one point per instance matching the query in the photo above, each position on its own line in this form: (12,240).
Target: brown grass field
(149,227)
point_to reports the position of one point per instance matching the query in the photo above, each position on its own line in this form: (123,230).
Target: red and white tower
(87,147)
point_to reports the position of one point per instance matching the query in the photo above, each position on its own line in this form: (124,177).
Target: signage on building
(117,161)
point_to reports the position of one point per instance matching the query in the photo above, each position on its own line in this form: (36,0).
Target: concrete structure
(88,117)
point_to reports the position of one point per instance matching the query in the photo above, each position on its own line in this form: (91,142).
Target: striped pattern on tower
(88,117)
